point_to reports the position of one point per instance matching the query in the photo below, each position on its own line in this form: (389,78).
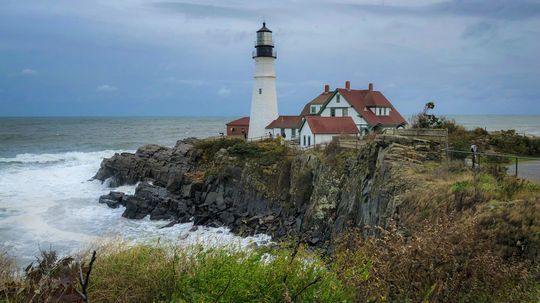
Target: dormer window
(314,109)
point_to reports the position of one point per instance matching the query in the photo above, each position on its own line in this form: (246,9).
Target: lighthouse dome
(264,29)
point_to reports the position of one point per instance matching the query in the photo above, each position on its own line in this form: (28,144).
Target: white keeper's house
(339,112)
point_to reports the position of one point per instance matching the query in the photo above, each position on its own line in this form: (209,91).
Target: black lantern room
(264,47)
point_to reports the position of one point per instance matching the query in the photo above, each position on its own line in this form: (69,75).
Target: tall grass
(158,273)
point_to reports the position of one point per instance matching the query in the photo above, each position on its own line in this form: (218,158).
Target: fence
(435,135)
(512,162)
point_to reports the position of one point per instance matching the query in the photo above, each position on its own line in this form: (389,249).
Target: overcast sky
(192,58)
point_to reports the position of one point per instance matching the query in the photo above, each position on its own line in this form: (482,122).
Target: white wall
(305,132)
(323,138)
(277,131)
(351,112)
(264,107)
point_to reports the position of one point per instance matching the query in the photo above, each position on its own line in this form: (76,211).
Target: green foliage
(263,152)
(259,276)
(461,187)
(157,273)
(209,147)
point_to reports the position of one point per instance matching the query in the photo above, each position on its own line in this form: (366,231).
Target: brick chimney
(348,85)
(371,87)
(326,88)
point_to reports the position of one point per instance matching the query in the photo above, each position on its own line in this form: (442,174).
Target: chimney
(326,88)
(371,87)
(348,85)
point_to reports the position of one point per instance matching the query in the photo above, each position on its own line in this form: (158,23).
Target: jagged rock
(113,199)
(307,195)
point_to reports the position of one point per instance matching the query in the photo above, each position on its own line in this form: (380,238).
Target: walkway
(527,170)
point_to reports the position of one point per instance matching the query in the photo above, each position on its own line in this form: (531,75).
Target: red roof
(241,121)
(319,100)
(363,99)
(286,122)
(331,125)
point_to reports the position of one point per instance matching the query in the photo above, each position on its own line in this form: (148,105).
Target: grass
(159,273)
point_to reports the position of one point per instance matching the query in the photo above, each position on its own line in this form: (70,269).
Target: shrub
(443,262)
(513,227)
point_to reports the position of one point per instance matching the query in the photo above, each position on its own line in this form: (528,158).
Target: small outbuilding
(238,128)
(319,130)
(285,126)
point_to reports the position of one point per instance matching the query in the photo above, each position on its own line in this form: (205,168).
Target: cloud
(29,72)
(495,9)
(480,30)
(187,82)
(203,10)
(224,91)
(106,88)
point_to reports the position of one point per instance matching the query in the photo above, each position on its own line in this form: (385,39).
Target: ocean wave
(29,158)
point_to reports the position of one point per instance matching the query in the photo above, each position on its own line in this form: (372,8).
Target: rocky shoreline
(314,194)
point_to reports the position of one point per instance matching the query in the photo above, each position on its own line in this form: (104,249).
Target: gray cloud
(203,10)
(481,30)
(495,9)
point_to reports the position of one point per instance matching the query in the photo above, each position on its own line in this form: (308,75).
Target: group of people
(282,135)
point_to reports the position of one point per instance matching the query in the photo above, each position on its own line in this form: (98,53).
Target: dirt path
(527,170)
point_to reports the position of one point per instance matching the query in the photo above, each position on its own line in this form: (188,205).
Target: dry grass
(443,262)
(158,273)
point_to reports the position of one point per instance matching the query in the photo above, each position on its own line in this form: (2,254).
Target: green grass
(160,273)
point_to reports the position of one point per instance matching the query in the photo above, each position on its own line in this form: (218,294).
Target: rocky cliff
(265,187)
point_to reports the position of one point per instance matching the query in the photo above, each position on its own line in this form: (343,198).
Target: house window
(293,132)
(232,129)
(282,131)
(345,112)
(314,109)
(304,140)
(338,98)
(308,140)
(260,91)
(332,112)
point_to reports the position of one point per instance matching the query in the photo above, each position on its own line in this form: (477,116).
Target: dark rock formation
(307,194)
(114,199)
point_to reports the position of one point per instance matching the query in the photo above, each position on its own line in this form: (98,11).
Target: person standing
(474,150)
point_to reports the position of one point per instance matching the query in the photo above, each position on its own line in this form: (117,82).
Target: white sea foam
(48,200)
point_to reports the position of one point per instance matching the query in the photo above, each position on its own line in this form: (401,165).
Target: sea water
(47,200)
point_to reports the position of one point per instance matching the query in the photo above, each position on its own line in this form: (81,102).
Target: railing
(436,135)
(477,156)
(272,54)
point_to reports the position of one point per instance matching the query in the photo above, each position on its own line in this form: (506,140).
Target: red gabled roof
(241,121)
(363,99)
(286,122)
(331,125)
(319,100)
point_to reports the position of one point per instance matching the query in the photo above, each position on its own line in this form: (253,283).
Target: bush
(145,273)
(443,262)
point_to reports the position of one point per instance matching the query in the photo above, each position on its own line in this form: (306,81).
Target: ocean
(47,200)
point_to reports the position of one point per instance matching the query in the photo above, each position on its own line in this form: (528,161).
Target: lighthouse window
(260,91)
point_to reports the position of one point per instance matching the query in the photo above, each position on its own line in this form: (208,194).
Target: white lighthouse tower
(264,99)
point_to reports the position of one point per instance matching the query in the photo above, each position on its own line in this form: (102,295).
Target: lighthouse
(264,108)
